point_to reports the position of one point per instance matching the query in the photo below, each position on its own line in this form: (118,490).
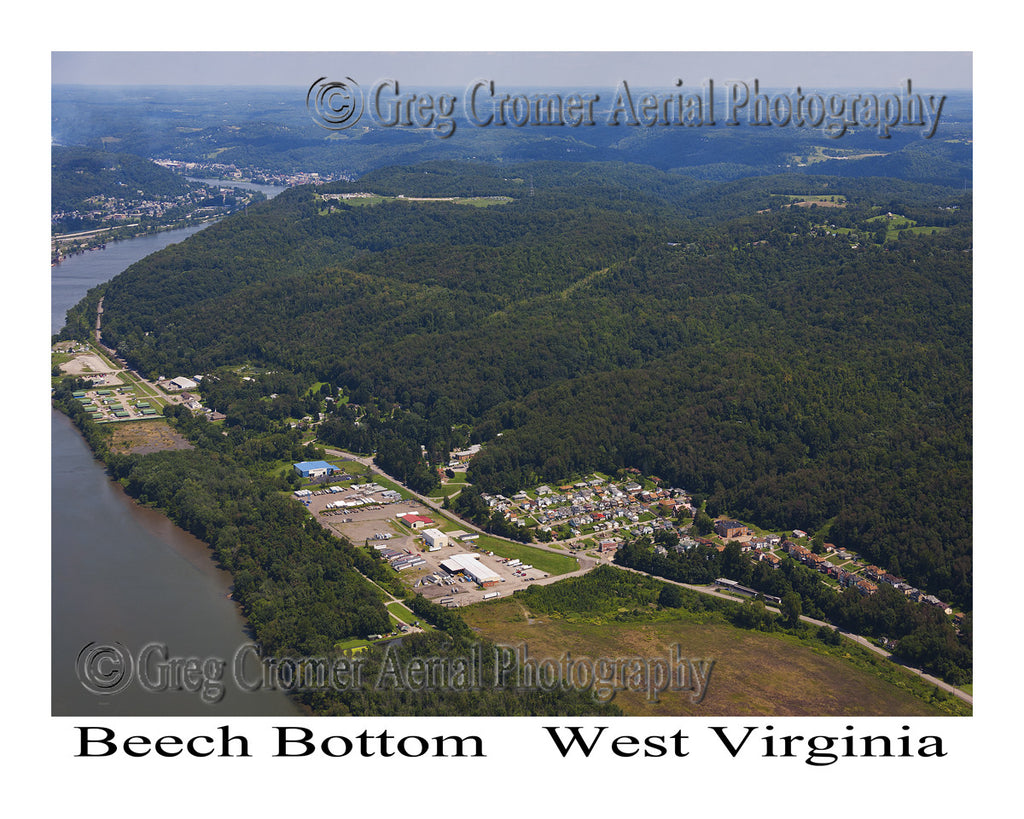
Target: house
(815,561)
(799,552)
(685,544)
(932,600)
(465,455)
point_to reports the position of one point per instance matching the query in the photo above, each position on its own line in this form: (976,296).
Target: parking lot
(437,585)
(374,524)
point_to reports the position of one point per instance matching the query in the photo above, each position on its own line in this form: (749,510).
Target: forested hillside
(78,174)
(795,350)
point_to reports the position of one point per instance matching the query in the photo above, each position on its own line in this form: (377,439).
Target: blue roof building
(315,469)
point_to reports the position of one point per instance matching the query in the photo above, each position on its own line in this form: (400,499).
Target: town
(257,176)
(108,218)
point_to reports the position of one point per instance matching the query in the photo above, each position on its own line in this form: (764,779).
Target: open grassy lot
(754,673)
(475,201)
(823,200)
(141,437)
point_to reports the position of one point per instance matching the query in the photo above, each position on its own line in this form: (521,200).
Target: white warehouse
(435,537)
(472,567)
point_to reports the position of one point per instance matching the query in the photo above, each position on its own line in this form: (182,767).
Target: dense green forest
(794,366)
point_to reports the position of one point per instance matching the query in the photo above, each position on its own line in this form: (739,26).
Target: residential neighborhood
(599,514)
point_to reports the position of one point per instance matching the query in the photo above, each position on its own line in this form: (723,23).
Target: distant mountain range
(272,130)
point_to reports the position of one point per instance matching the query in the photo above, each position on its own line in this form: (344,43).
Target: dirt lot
(142,437)
(85,363)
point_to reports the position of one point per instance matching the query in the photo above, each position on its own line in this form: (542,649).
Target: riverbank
(67,245)
(122,573)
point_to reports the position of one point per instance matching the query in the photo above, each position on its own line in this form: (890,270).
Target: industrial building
(435,537)
(181,383)
(315,469)
(471,566)
(414,521)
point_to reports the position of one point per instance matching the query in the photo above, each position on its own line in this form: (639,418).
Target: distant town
(257,176)
(602,513)
(121,217)
(134,213)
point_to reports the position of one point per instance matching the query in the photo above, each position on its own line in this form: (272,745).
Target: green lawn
(547,562)
(446,490)
(401,611)
(352,644)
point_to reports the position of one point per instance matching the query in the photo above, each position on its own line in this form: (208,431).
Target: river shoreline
(122,573)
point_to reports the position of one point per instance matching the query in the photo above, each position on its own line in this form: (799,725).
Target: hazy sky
(887,69)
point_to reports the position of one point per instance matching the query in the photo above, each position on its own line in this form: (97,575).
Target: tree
(702,522)
(670,597)
(791,606)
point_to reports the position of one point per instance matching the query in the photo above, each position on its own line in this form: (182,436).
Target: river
(124,580)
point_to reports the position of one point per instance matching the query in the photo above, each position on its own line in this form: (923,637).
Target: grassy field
(547,562)
(824,200)
(402,612)
(143,390)
(450,487)
(475,201)
(446,490)
(754,673)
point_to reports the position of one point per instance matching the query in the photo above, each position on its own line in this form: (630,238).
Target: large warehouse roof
(307,468)
(471,565)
